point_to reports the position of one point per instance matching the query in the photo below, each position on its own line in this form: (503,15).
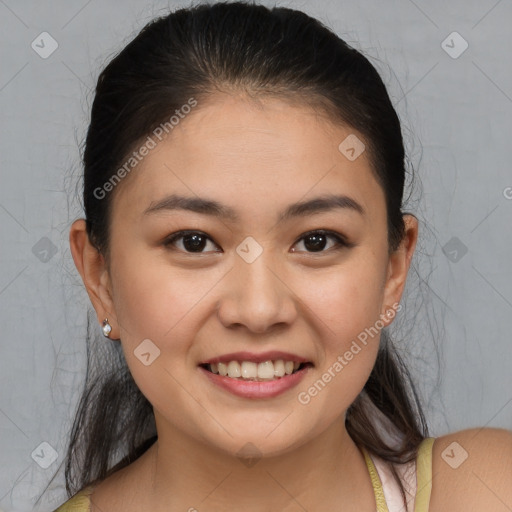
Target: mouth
(250,371)
(264,379)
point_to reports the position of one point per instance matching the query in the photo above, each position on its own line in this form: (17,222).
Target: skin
(256,158)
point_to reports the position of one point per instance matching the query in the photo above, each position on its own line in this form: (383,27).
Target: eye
(192,241)
(316,241)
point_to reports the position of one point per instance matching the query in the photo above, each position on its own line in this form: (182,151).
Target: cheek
(345,308)
(147,298)
(153,304)
(156,301)
(347,300)
(138,297)
(345,305)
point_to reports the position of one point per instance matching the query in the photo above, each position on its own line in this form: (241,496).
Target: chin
(260,445)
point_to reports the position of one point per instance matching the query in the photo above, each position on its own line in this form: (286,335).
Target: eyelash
(341,241)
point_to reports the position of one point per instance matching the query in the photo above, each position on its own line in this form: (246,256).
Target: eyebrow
(320,204)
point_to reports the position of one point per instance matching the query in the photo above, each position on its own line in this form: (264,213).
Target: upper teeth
(248,369)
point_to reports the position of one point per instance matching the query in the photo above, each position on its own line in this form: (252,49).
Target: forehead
(252,155)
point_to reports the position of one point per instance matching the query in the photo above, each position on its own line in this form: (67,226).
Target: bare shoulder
(472,471)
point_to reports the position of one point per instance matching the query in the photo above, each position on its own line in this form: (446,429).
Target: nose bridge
(257,296)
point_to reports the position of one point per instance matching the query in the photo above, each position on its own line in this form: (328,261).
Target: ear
(91,265)
(398,268)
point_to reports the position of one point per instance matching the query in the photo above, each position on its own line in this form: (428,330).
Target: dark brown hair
(196,52)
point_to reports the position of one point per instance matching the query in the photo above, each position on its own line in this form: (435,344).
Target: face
(308,283)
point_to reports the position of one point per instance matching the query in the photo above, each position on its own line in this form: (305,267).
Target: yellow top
(423,483)
(81,502)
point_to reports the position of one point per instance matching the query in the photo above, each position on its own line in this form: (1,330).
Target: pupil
(194,242)
(318,242)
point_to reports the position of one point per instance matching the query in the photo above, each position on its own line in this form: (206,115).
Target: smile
(253,386)
(255,372)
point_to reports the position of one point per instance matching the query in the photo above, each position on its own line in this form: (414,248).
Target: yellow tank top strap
(377,484)
(423,478)
(424,475)
(80,502)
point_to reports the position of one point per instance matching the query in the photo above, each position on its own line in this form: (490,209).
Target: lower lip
(254,389)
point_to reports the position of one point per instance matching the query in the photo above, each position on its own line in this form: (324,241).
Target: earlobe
(91,266)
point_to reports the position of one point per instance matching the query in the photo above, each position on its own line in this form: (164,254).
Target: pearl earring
(106,328)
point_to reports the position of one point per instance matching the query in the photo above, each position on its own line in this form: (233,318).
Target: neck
(328,470)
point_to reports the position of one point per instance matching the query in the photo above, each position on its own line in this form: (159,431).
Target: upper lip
(272,355)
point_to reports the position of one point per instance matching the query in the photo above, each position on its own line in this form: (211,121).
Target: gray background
(456,115)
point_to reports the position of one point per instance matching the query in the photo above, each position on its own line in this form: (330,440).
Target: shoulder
(472,470)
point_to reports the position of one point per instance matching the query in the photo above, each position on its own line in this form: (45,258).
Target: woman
(244,246)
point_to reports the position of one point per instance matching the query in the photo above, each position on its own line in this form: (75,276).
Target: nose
(257,296)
